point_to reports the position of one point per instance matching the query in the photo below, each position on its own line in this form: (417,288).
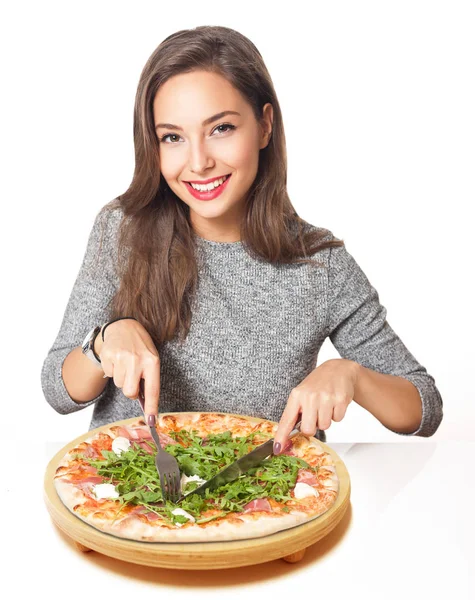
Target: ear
(266,126)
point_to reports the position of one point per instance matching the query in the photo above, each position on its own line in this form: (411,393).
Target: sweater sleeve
(88,306)
(358,329)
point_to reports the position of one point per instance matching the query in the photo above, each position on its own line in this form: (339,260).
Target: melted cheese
(303,490)
(105,490)
(120,444)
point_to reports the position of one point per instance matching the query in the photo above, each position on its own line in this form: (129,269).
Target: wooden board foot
(81,547)
(295,557)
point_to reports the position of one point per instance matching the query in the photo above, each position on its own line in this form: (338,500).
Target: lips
(208,195)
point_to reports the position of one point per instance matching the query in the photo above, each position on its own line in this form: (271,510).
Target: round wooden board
(288,544)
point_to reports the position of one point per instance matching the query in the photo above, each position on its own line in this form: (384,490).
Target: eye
(168,135)
(175,135)
(228,125)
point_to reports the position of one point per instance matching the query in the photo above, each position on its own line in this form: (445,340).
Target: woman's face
(192,151)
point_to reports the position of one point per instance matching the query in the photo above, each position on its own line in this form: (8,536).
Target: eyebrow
(205,122)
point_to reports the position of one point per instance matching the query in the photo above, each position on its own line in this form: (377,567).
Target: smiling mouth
(226,177)
(211,194)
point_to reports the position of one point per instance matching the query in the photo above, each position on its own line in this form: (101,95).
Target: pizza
(110,480)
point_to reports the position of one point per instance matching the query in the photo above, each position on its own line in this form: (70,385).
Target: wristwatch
(88,346)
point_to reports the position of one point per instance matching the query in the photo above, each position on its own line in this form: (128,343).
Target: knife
(240,466)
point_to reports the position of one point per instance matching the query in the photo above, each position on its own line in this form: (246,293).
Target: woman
(220,300)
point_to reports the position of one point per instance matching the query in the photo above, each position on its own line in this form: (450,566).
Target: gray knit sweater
(255,333)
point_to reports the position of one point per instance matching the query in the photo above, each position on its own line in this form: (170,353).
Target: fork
(167,465)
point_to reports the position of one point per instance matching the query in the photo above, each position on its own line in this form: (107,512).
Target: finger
(286,423)
(132,379)
(325,412)
(310,415)
(339,411)
(119,374)
(152,389)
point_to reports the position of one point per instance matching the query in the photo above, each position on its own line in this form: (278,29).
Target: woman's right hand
(128,355)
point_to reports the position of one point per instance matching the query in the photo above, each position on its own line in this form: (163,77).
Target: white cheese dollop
(180,511)
(185,479)
(303,490)
(120,444)
(105,490)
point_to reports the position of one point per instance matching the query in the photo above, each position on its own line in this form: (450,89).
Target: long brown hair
(158,270)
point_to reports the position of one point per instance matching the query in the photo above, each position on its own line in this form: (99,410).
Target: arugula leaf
(180,519)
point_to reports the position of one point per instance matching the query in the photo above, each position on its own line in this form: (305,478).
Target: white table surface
(409,533)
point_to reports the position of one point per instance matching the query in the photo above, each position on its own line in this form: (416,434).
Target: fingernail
(277,448)
(151,420)
(105,376)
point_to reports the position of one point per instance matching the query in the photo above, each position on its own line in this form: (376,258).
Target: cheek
(170,169)
(243,156)
(171,164)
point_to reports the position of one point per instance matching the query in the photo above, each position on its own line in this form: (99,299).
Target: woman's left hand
(321,397)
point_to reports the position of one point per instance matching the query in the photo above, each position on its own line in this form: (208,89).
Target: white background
(377,100)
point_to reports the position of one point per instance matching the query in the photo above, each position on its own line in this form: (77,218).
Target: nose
(200,159)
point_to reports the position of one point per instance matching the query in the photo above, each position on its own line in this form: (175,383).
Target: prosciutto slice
(143,510)
(258,504)
(86,485)
(91,452)
(151,516)
(306,476)
(166,439)
(141,433)
(146,447)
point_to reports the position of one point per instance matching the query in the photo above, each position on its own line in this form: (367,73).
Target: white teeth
(209,186)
